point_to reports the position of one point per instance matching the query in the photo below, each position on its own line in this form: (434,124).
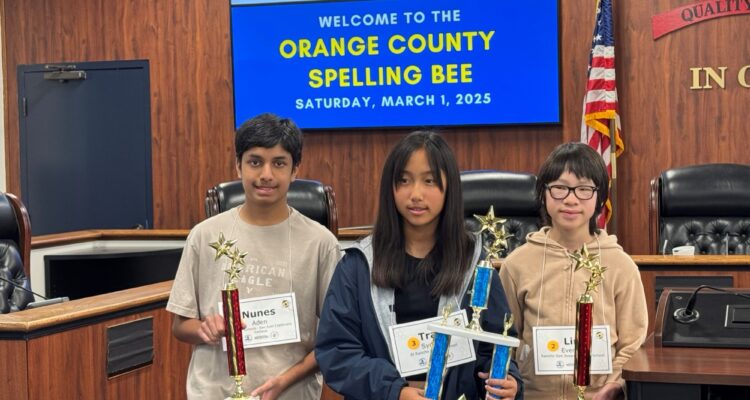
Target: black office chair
(513,196)
(706,206)
(311,198)
(15,251)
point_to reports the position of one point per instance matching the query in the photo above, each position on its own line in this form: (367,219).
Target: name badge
(554,350)
(269,320)
(411,344)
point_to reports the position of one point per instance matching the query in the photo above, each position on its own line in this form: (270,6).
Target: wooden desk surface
(353,233)
(62,350)
(59,239)
(689,365)
(350,233)
(74,310)
(718,260)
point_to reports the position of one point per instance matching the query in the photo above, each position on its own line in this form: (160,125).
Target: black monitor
(95,272)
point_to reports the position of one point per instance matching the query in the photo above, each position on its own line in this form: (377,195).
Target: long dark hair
(582,161)
(453,244)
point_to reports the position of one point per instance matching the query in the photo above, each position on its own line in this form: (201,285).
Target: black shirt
(414,302)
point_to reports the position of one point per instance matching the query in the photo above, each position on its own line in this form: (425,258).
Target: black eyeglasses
(560,192)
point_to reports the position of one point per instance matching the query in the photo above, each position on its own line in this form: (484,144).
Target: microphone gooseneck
(34,304)
(21,287)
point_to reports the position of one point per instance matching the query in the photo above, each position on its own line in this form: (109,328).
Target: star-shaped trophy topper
(496,230)
(591,262)
(236,264)
(222,246)
(225,248)
(488,222)
(501,240)
(233,273)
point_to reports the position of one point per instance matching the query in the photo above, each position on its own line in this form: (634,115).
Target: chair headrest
(706,190)
(310,199)
(8,221)
(306,196)
(511,192)
(230,194)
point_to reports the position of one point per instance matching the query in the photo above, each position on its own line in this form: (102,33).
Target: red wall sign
(680,17)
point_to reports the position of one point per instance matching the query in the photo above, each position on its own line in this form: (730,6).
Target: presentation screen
(387,63)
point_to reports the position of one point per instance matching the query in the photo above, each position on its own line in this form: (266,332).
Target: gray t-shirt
(311,251)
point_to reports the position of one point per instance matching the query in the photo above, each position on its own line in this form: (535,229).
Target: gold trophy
(480,291)
(232,318)
(585,318)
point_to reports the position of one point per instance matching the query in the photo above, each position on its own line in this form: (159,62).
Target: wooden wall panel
(166,377)
(50,355)
(187,42)
(187,45)
(57,367)
(13,364)
(666,124)
(352,162)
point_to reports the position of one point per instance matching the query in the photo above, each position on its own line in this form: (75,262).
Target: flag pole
(612,229)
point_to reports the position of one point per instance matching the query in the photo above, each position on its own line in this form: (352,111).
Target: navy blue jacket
(353,353)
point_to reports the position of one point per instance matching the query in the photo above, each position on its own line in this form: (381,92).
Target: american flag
(600,101)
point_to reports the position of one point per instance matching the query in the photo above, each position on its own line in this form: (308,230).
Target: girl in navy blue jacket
(419,259)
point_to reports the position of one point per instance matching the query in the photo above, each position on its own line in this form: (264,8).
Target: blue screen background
(516,81)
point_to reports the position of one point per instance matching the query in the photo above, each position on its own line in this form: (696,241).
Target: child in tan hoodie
(542,285)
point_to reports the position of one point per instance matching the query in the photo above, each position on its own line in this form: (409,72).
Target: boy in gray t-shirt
(287,253)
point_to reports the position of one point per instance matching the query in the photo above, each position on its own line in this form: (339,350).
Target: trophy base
(481,336)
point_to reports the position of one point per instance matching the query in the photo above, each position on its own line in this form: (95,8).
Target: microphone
(688,314)
(35,304)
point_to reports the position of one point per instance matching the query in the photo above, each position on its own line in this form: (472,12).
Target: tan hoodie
(618,302)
